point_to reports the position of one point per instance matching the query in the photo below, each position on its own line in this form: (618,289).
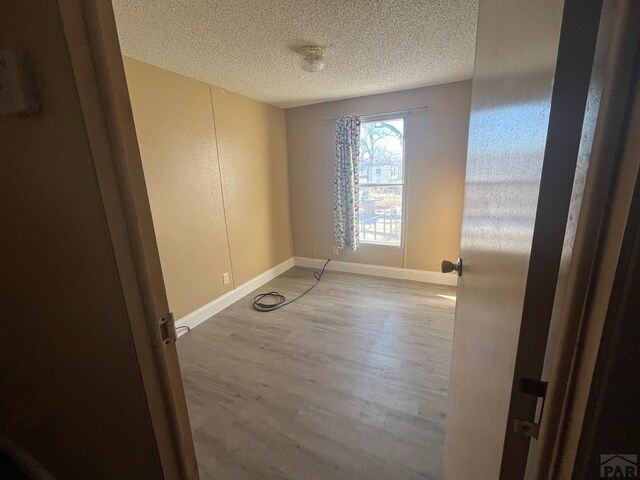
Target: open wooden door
(89,373)
(531,81)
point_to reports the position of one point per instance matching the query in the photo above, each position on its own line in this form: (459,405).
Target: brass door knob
(448,266)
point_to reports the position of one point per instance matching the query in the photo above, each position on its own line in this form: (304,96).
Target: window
(381,181)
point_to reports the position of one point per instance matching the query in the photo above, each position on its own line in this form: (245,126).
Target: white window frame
(379,118)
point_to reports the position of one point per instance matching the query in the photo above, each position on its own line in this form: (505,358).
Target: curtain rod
(408,110)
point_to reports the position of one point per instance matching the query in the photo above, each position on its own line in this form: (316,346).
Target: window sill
(380,245)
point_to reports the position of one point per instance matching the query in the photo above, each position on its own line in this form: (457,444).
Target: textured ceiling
(249,46)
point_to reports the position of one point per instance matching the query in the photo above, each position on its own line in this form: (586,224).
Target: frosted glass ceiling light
(311,59)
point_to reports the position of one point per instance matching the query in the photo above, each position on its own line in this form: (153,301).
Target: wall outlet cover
(225,278)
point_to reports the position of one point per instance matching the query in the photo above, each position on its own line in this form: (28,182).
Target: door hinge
(535,387)
(167,327)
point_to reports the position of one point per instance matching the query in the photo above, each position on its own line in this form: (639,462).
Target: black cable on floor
(280,300)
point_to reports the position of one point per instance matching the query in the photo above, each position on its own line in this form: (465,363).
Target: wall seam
(224,206)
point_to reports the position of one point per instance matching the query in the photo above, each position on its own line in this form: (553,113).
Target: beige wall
(436,142)
(253,158)
(216,172)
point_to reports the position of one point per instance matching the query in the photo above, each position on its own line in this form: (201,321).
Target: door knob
(448,266)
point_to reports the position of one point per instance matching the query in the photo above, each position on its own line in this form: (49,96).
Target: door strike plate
(167,329)
(525,427)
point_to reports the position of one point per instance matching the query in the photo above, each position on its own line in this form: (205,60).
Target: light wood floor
(349,382)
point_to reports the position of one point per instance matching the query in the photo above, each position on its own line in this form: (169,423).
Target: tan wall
(216,172)
(253,159)
(436,143)
(177,142)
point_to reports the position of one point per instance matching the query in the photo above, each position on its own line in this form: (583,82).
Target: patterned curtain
(346,200)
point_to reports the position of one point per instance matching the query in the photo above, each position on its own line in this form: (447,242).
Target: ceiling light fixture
(311,59)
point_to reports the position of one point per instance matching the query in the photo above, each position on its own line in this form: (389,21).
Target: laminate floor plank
(349,382)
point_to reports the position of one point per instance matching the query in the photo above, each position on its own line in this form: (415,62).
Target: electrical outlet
(336,251)
(225,278)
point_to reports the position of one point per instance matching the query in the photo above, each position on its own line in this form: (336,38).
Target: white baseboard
(207,311)
(424,276)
